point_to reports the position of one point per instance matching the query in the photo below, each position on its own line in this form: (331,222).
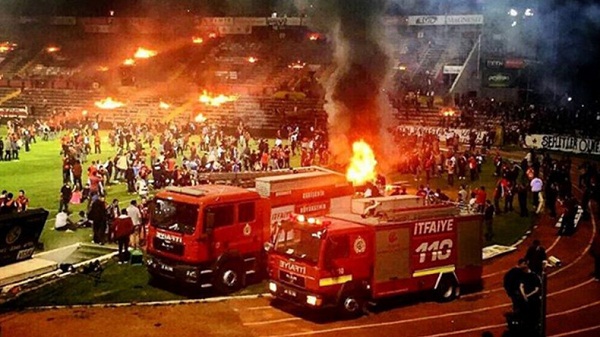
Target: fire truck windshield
(174,216)
(303,243)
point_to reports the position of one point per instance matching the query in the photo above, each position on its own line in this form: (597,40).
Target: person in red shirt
(97,144)
(22,201)
(480,198)
(95,181)
(171,163)
(77,172)
(122,229)
(66,169)
(264,160)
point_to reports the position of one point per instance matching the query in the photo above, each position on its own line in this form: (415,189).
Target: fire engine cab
(384,247)
(213,235)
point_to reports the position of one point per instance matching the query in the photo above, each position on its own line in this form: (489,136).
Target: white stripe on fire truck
(334,280)
(433,271)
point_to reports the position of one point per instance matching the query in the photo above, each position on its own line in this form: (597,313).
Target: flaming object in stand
(297,65)
(212,35)
(52,49)
(211,100)
(313,37)
(129,62)
(200,118)
(7,46)
(108,104)
(362,164)
(448,113)
(252,59)
(197,40)
(142,53)
(163,105)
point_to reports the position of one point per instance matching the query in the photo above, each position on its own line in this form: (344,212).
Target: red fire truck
(348,260)
(213,235)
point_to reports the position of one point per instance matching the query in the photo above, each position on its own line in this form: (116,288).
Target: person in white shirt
(136,217)
(141,186)
(537,185)
(63,223)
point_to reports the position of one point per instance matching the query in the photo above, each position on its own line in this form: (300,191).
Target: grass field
(38,172)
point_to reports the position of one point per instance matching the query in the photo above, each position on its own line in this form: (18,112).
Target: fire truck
(384,247)
(213,235)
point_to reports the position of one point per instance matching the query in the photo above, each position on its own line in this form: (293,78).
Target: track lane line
(574,332)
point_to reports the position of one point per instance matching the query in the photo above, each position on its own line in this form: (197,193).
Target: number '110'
(439,250)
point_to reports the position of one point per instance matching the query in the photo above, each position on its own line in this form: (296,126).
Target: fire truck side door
(219,221)
(248,227)
(337,253)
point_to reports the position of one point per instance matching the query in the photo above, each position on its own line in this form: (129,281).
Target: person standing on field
(122,229)
(134,213)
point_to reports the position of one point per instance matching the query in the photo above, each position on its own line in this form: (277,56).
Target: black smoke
(571,48)
(357,104)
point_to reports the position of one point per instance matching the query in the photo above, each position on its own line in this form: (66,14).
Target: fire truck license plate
(165,267)
(289,292)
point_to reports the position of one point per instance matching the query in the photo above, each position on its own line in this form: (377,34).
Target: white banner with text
(563,143)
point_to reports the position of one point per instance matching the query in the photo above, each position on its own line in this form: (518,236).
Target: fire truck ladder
(383,217)
(247,179)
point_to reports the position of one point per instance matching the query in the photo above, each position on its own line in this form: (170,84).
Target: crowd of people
(149,157)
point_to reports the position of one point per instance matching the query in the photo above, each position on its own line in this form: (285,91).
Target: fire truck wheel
(448,289)
(228,277)
(352,304)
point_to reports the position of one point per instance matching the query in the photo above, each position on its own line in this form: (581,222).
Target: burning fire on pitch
(357,102)
(215,100)
(108,104)
(362,164)
(143,53)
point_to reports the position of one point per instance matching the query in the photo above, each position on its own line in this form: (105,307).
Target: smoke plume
(357,105)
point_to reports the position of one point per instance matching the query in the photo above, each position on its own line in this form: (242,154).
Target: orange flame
(52,49)
(163,105)
(200,118)
(108,104)
(84,112)
(448,113)
(208,99)
(129,62)
(7,46)
(313,37)
(362,164)
(297,65)
(102,68)
(252,59)
(197,40)
(143,53)
(212,35)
